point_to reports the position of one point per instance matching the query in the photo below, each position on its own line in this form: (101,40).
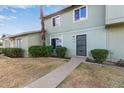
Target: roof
(22,34)
(60,11)
(4,36)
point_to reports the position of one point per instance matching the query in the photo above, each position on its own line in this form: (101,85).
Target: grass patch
(95,76)
(19,72)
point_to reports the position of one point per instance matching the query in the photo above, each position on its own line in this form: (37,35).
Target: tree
(43,32)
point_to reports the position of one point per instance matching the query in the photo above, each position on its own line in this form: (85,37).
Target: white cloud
(48,6)
(13,7)
(19,6)
(13,10)
(11,17)
(5,18)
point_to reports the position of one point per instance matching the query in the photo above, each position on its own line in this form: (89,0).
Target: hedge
(1,50)
(99,55)
(1,44)
(13,52)
(40,51)
(61,51)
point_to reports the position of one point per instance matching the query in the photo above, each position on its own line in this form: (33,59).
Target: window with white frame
(19,43)
(80,13)
(56,42)
(56,21)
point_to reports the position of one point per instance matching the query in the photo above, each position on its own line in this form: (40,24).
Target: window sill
(82,19)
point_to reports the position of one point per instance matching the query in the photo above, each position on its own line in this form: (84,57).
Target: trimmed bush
(1,50)
(61,51)
(35,51)
(48,51)
(13,52)
(1,44)
(40,51)
(99,55)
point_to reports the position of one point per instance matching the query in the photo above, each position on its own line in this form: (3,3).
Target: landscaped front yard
(19,72)
(93,76)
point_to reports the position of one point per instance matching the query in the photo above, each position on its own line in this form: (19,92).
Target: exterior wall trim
(86,29)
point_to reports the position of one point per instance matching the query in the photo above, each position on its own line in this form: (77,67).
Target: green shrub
(99,55)
(120,63)
(40,51)
(1,44)
(13,52)
(35,51)
(61,51)
(48,51)
(1,50)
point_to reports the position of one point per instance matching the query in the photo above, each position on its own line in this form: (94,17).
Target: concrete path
(54,78)
(4,57)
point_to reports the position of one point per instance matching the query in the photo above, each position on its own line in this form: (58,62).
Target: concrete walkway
(4,57)
(54,78)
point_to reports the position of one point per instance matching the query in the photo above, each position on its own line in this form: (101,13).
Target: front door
(81,45)
(53,42)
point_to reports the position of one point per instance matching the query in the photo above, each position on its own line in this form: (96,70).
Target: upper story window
(56,21)
(80,13)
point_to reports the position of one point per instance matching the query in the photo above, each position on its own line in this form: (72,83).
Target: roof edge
(59,11)
(23,34)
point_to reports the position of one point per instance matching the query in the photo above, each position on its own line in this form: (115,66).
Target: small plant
(120,63)
(99,55)
(40,51)
(13,52)
(61,51)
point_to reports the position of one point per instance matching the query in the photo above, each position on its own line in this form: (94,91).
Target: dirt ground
(19,72)
(95,76)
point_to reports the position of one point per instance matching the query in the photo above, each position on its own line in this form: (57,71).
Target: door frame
(86,43)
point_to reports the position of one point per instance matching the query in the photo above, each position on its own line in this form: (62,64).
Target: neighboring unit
(23,40)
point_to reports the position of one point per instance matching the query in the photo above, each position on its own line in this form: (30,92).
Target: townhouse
(80,28)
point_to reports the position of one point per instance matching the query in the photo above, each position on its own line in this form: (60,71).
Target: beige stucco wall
(34,39)
(6,43)
(114,14)
(96,18)
(96,38)
(115,41)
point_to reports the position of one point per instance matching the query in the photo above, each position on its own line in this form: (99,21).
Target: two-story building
(80,28)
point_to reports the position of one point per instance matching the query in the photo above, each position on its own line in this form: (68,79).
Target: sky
(16,19)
